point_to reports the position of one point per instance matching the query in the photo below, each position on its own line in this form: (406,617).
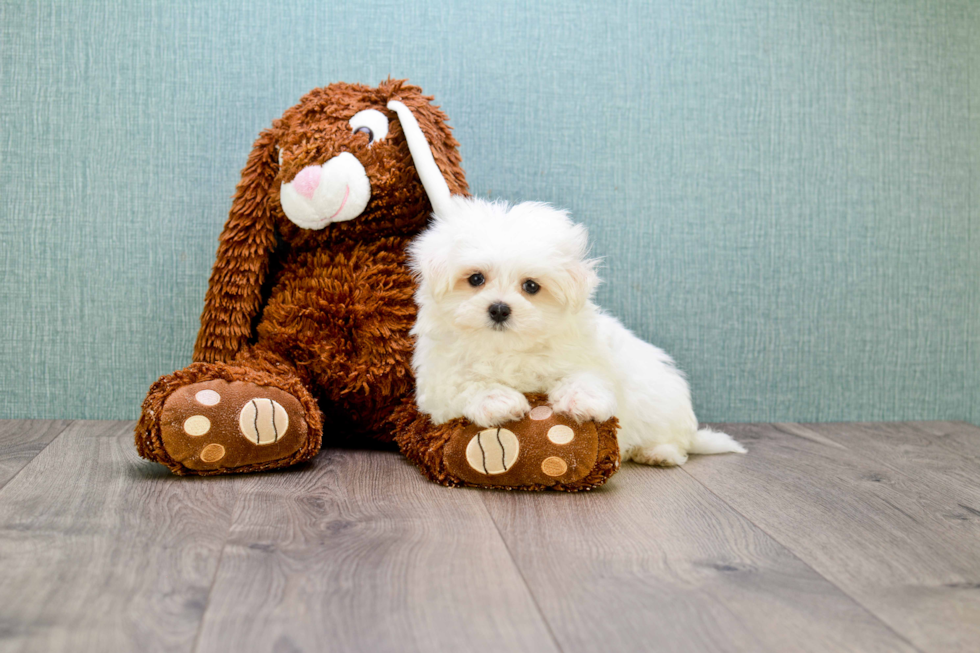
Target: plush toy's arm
(234,294)
(378,348)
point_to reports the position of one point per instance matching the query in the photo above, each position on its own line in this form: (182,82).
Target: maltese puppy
(505,308)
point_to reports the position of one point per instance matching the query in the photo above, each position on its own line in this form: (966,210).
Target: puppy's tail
(707,441)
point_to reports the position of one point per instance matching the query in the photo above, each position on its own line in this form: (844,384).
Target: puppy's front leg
(584,396)
(494,404)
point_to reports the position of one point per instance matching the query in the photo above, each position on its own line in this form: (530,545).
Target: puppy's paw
(496,406)
(584,397)
(662,455)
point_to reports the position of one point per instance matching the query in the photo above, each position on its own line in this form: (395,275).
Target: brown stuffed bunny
(306,321)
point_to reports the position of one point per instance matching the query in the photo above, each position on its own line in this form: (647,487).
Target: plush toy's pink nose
(307,180)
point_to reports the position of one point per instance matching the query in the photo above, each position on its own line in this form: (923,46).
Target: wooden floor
(841,537)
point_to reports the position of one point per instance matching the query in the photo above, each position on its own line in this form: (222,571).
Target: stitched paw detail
(493,451)
(263,420)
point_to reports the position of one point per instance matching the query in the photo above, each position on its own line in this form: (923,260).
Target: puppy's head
(496,271)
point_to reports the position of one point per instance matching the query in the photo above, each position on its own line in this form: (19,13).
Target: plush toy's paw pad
(543,448)
(221,425)
(493,451)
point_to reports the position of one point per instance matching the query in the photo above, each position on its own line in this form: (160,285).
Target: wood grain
(944,460)
(959,438)
(853,537)
(361,553)
(21,440)
(104,552)
(861,515)
(653,561)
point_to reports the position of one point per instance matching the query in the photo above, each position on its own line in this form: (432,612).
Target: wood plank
(884,536)
(21,440)
(654,561)
(962,438)
(361,553)
(937,461)
(105,552)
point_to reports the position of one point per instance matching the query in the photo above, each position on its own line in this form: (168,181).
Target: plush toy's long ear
(234,294)
(432,179)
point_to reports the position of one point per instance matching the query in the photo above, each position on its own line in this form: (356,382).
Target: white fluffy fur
(555,341)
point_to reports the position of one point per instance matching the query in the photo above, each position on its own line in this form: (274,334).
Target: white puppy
(505,308)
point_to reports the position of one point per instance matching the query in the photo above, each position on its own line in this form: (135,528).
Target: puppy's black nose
(499,312)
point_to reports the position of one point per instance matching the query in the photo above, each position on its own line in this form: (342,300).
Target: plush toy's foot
(543,450)
(218,425)
(219,419)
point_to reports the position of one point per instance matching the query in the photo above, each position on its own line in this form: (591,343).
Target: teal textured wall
(786,193)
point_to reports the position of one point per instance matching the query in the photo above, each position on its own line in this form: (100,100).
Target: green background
(785,193)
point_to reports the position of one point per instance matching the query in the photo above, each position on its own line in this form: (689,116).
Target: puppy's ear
(234,294)
(429,260)
(575,278)
(575,286)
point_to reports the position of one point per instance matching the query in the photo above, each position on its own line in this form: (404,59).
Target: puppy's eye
(531,286)
(365,130)
(476,280)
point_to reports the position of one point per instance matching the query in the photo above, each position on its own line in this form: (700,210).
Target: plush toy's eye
(370,122)
(476,279)
(530,286)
